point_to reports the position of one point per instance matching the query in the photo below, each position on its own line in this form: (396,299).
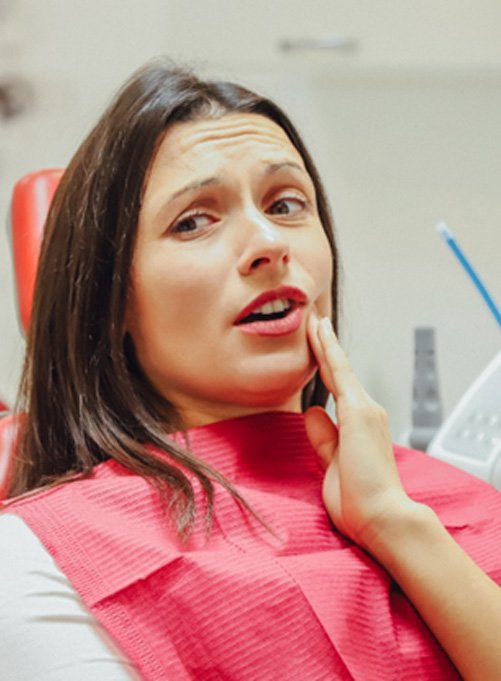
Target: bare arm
(365,499)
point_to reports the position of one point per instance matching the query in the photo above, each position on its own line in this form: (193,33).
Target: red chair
(8,433)
(30,203)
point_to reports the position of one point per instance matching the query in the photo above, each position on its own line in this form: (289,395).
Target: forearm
(460,604)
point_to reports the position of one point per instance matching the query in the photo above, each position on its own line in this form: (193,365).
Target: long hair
(83,396)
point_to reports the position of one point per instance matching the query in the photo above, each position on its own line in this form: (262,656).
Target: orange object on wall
(30,203)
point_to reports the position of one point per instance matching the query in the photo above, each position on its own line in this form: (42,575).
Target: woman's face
(229,262)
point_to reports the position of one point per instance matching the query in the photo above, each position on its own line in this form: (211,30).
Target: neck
(197,414)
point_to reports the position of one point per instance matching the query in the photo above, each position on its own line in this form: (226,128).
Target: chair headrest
(8,437)
(30,203)
(31,199)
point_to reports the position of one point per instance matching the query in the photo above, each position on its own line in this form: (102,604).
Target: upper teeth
(274,306)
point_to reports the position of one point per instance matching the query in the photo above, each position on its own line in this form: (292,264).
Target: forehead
(232,137)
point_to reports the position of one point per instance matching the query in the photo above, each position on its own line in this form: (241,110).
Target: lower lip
(275,327)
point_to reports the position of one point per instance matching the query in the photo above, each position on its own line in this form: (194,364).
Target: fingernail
(326,325)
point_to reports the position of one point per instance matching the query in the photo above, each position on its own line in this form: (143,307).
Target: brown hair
(82,391)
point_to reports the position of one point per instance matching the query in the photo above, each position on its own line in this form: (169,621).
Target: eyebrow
(198,184)
(275,167)
(194,186)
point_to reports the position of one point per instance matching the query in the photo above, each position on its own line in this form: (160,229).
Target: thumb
(322,433)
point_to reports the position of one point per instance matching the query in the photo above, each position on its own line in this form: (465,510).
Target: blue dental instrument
(449,239)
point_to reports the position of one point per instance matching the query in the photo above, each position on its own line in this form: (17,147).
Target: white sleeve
(46,632)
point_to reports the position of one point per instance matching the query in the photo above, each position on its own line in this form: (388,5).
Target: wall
(405,128)
(74,55)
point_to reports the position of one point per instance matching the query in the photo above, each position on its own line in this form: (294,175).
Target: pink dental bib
(299,603)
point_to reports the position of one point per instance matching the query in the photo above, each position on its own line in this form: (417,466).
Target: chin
(273,389)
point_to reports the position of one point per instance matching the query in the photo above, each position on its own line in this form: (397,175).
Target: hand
(366,501)
(362,489)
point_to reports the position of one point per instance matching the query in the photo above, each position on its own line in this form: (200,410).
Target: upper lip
(292,293)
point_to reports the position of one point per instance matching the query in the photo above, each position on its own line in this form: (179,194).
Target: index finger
(335,366)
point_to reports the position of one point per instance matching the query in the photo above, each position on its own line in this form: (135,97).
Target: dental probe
(449,239)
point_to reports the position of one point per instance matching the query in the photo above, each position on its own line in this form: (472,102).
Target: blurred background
(399,102)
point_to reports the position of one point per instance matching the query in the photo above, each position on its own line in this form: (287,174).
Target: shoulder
(21,549)
(27,571)
(45,630)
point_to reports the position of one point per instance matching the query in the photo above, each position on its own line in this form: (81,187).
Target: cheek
(168,297)
(325,266)
(320,265)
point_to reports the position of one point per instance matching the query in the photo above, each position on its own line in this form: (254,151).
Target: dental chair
(30,203)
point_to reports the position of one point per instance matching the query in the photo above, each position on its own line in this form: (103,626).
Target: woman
(167,479)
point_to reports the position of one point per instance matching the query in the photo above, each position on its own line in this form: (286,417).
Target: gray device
(426,404)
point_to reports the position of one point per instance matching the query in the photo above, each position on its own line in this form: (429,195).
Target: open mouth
(278,312)
(276,309)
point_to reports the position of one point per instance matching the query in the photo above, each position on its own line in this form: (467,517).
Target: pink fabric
(304,603)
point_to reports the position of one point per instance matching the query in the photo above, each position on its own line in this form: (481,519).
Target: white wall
(405,130)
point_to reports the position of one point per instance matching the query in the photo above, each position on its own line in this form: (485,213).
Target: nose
(266,246)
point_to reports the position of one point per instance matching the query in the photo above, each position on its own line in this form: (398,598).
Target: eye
(192,224)
(287,205)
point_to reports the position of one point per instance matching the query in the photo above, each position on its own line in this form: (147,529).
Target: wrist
(400,531)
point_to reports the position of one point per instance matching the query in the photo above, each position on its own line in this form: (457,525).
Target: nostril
(264,260)
(258,261)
